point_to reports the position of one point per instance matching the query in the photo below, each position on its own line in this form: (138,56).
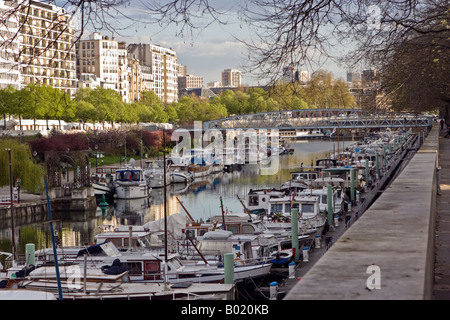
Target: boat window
(324,198)
(248,228)
(152,267)
(307,208)
(276,208)
(233,229)
(135,268)
(253,200)
(176,263)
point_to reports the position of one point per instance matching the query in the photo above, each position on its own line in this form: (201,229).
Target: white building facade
(45,38)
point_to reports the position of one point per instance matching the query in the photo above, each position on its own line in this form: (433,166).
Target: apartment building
(46,38)
(189,81)
(99,55)
(231,78)
(163,65)
(123,85)
(9,48)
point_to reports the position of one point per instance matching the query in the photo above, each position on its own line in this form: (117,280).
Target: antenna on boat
(245,208)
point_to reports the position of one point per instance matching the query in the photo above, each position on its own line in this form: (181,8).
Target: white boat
(310,218)
(258,200)
(130,183)
(103,180)
(265,242)
(131,237)
(111,283)
(337,202)
(154,173)
(180,174)
(155,267)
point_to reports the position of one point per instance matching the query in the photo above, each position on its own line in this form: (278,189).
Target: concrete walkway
(442,263)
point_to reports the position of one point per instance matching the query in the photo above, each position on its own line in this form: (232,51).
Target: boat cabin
(219,242)
(128,175)
(139,239)
(146,266)
(307,206)
(258,200)
(239,223)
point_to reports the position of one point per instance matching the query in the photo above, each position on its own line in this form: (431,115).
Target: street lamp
(96,157)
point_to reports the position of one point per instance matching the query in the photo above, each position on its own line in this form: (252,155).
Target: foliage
(22,164)
(60,142)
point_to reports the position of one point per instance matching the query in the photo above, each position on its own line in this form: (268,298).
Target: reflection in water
(201,199)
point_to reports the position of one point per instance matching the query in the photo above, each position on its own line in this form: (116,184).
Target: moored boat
(130,183)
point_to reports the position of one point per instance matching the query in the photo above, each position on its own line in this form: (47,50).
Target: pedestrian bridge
(326,119)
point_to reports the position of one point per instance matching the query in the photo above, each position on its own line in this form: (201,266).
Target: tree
(424,81)
(84,111)
(108,104)
(22,165)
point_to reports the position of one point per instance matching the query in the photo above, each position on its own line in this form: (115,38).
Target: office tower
(231,78)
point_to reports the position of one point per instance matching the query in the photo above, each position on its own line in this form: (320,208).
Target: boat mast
(165,195)
(187,212)
(165,212)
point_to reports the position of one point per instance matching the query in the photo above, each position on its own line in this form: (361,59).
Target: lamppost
(96,157)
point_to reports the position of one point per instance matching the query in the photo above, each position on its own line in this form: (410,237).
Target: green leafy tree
(22,165)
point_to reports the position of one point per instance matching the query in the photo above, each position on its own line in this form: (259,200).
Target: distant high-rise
(303,76)
(370,76)
(231,78)
(190,81)
(353,76)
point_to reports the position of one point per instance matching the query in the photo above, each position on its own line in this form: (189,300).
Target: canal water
(201,199)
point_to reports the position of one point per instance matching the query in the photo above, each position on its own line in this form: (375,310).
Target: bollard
(317,241)
(29,254)
(330,205)
(305,254)
(336,220)
(292,270)
(229,268)
(273,290)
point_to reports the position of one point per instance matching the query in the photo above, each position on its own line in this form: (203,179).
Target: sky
(205,52)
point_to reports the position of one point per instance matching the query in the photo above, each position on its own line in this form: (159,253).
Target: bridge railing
(321,119)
